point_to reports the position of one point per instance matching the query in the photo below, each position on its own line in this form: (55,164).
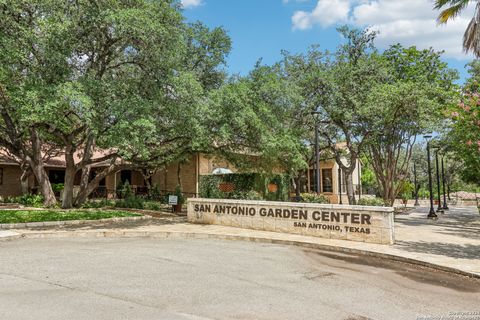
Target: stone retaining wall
(357,223)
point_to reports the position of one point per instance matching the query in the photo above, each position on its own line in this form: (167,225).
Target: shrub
(246,195)
(154,206)
(124,190)
(374,202)
(406,190)
(154,193)
(30,200)
(282,184)
(210,186)
(130,202)
(57,187)
(314,198)
(179,194)
(423,193)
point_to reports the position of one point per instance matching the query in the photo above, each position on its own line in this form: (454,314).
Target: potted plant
(180,199)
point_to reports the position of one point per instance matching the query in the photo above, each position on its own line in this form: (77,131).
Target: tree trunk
(84,180)
(38,169)
(348,170)
(84,193)
(26,172)
(147,177)
(70,171)
(389,192)
(297,186)
(179,180)
(350,189)
(45,186)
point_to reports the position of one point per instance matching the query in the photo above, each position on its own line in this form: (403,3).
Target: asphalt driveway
(110,278)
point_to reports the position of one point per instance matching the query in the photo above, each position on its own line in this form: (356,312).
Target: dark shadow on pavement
(461,222)
(467,251)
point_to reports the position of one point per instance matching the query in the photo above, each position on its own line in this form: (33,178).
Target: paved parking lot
(211,279)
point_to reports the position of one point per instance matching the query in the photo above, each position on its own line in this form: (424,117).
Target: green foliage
(179,194)
(23,216)
(463,136)
(210,184)
(154,206)
(406,190)
(30,200)
(130,77)
(125,190)
(246,195)
(57,187)
(408,102)
(128,198)
(368,178)
(374,202)
(246,186)
(130,202)
(423,193)
(314,198)
(209,187)
(282,183)
(258,114)
(154,193)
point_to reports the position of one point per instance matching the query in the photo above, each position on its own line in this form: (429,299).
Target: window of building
(126,175)
(1,176)
(327,180)
(56,176)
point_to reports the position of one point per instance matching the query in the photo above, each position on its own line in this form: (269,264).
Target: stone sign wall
(357,223)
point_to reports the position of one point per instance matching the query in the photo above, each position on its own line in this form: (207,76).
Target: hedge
(247,186)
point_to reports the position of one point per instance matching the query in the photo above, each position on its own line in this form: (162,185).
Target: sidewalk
(451,242)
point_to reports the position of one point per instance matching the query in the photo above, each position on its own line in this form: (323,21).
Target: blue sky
(262,28)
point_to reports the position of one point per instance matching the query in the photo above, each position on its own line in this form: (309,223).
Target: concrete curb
(7,235)
(9,226)
(193,235)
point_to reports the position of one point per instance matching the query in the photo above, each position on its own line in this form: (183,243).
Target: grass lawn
(21,216)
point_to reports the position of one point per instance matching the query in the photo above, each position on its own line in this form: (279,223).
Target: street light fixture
(339,185)
(417,204)
(445,206)
(437,167)
(317,155)
(431,213)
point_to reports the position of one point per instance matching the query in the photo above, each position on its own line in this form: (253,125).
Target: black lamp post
(445,207)
(415,183)
(431,213)
(317,155)
(340,186)
(439,207)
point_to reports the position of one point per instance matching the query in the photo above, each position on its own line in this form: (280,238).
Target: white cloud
(191,3)
(409,22)
(326,13)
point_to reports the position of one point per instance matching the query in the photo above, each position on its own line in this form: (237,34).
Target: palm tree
(451,9)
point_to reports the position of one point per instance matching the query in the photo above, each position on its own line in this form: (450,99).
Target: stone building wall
(10,181)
